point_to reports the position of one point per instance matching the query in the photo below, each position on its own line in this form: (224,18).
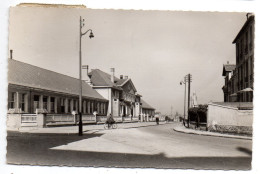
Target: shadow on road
(119,127)
(245,150)
(33,149)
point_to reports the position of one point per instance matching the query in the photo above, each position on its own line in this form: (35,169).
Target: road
(148,146)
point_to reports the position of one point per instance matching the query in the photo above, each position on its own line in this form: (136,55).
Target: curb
(216,135)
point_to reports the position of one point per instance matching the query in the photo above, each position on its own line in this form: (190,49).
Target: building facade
(239,82)
(147,111)
(228,88)
(124,101)
(35,93)
(33,90)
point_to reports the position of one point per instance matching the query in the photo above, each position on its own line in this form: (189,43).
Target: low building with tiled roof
(32,88)
(147,110)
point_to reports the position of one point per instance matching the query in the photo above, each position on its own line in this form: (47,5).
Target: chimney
(11,54)
(112,74)
(85,76)
(121,76)
(227,62)
(126,77)
(248,15)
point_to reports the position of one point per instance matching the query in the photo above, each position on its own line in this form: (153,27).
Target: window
(92,108)
(88,107)
(250,37)
(74,105)
(11,102)
(45,102)
(23,102)
(98,108)
(246,43)
(84,106)
(237,52)
(52,104)
(62,105)
(69,106)
(36,99)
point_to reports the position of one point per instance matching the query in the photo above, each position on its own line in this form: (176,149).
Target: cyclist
(110,121)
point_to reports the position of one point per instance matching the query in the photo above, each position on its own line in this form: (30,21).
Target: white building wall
(228,116)
(106,93)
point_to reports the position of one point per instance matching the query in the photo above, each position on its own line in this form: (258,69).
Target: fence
(68,118)
(88,118)
(101,119)
(52,118)
(28,120)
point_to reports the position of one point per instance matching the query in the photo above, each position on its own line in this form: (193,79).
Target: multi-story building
(124,101)
(239,81)
(228,73)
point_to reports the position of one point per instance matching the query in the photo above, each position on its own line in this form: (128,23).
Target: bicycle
(110,125)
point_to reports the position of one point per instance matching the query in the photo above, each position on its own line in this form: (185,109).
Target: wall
(13,121)
(106,93)
(229,118)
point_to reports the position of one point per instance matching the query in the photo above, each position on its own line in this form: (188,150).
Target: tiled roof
(121,81)
(24,74)
(100,78)
(145,105)
(228,68)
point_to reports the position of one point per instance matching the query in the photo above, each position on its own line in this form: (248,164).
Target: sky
(156,49)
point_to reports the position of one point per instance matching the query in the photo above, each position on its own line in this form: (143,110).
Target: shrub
(198,114)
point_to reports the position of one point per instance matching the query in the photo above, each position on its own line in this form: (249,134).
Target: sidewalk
(91,128)
(178,127)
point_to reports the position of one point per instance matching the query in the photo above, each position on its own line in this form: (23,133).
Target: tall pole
(184,101)
(188,99)
(80,81)
(171,112)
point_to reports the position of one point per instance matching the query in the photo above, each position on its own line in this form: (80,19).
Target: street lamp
(91,35)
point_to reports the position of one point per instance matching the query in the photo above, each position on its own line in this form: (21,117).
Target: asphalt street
(148,146)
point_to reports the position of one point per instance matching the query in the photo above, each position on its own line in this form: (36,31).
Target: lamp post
(81,24)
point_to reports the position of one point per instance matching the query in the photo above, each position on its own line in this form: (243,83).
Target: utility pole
(181,83)
(171,112)
(189,81)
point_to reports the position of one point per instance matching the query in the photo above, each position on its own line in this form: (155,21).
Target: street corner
(183,129)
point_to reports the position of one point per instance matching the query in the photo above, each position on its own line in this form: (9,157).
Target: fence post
(41,120)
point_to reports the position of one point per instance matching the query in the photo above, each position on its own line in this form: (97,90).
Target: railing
(101,119)
(68,118)
(54,118)
(127,119)
(118,119)
(29,118)
(88,118)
